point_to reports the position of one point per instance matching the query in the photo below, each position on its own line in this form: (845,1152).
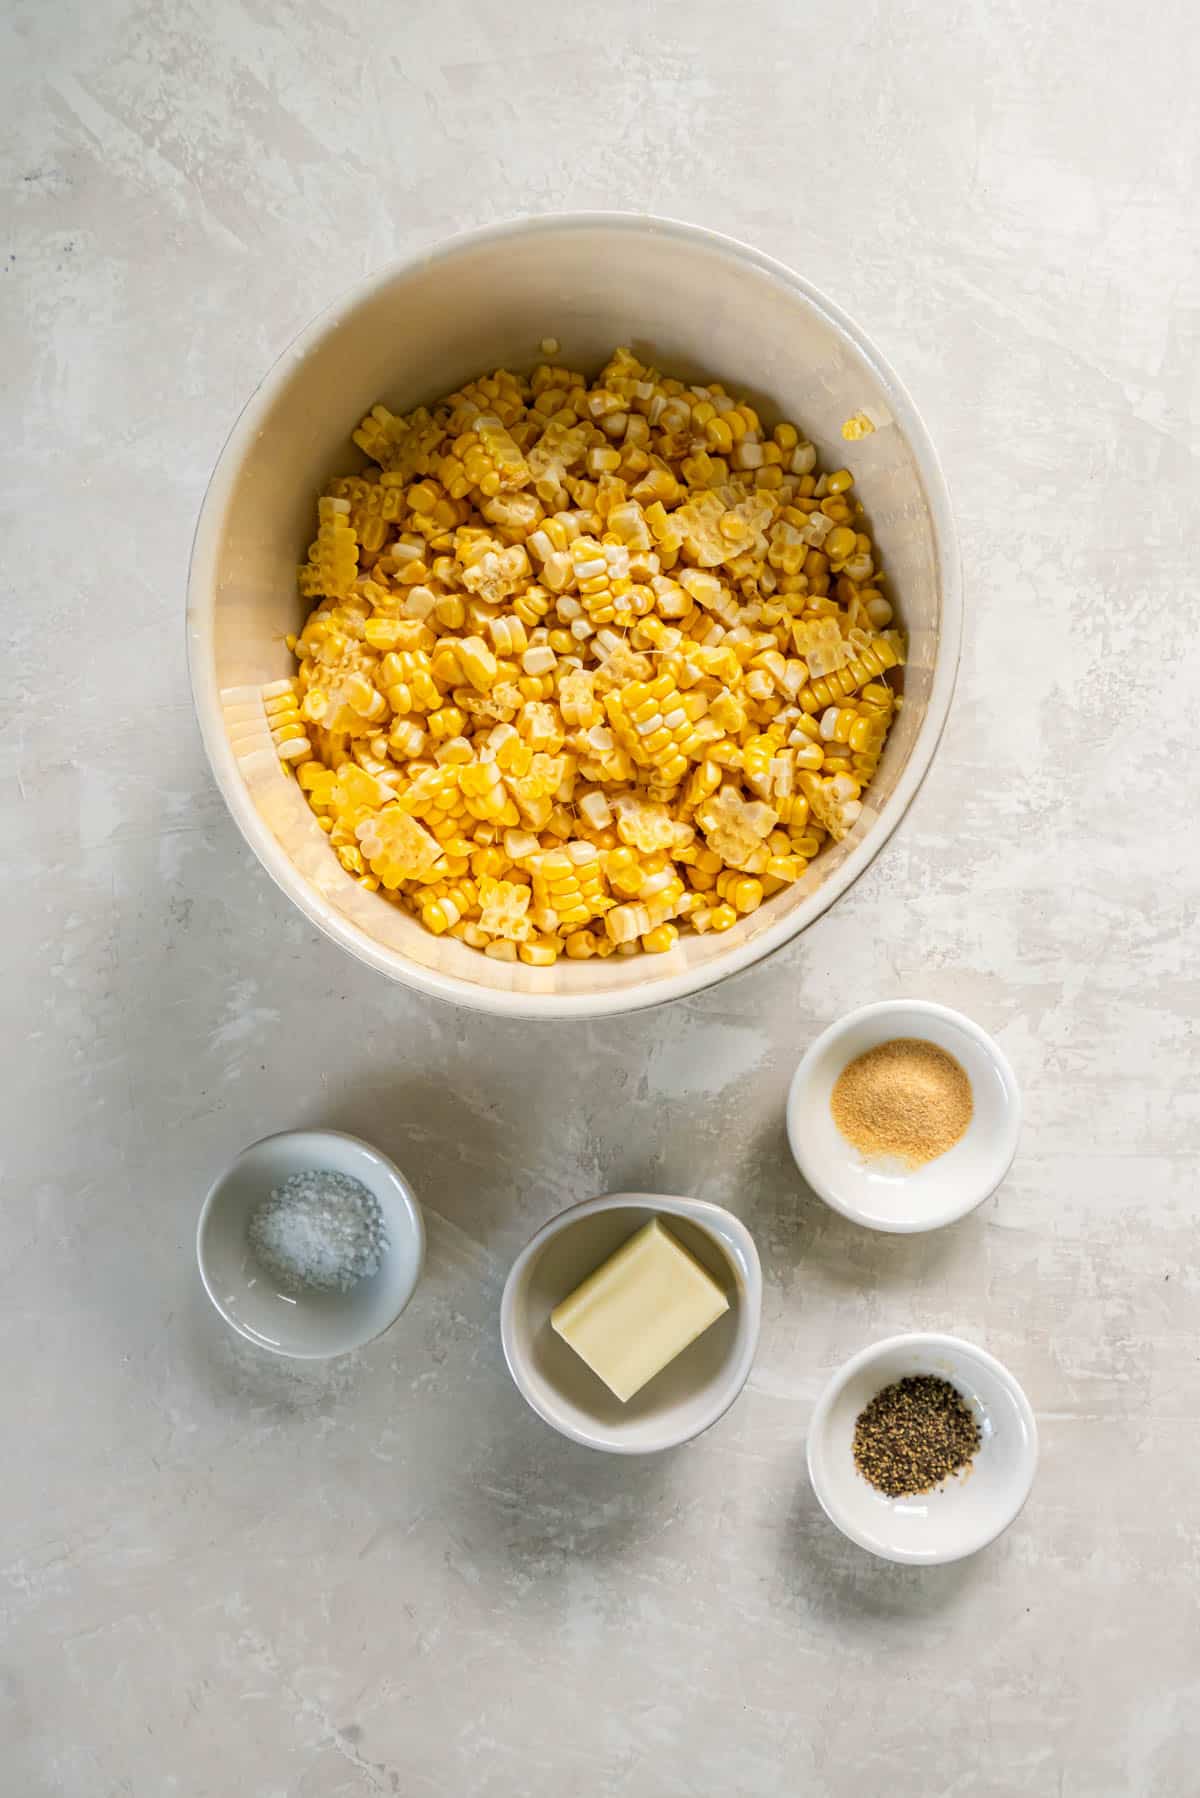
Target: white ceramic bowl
(972,1509)
(695,1389)
(944,1189)
(696,304)
(315,1325)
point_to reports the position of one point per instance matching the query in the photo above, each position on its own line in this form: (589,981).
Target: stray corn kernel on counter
(589,664)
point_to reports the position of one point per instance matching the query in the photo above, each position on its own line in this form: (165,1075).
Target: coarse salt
(319,1231)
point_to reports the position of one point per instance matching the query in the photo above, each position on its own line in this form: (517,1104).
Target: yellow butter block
(639,1310)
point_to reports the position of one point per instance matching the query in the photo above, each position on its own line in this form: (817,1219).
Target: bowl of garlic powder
(904,1116)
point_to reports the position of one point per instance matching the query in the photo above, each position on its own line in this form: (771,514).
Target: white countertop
(222,1574)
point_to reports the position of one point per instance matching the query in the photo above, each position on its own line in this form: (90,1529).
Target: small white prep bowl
(695,1389)
(972,1509)
(314,1325)
(697,305)
(944,1189)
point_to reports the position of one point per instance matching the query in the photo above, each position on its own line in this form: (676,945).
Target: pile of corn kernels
(589,664)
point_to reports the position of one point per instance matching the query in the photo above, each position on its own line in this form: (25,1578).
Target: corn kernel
(541,954)
(742,891)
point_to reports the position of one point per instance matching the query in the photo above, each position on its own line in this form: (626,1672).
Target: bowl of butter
(630,1322)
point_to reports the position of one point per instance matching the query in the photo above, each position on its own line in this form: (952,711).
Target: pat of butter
(641,1309)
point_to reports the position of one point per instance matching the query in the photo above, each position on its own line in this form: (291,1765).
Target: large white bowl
(694,303)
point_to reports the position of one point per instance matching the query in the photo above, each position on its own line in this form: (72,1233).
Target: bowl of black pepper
(922,1449)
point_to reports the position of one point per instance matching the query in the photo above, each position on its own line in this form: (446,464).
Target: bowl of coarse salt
(310,1244)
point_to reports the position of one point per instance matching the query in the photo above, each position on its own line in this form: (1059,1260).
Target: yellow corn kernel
(509,636)
(805,845)
(519,845)
(477,662)
(660,939)
(742,891)
(451,612)
(489,862)
(313,777)
(439,915)
(840,544)
(793,811)
(448,721)
(857,426)
(384,633)
(351,859)
(718,435)
(540,954)
(445,666)
(456,752)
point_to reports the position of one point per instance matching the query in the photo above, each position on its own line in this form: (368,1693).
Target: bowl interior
(314,1324)
(680,1401)
(972,1507)
(896,1198)
(693,304)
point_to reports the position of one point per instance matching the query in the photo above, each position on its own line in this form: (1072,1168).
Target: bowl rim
(411,1204)
(206,698)
(997,1170)
(936,1341)
(735,1242)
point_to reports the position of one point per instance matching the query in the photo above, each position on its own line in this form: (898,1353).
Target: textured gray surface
(220,1574)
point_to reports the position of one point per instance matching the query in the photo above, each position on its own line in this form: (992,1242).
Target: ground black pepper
(913,1435)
